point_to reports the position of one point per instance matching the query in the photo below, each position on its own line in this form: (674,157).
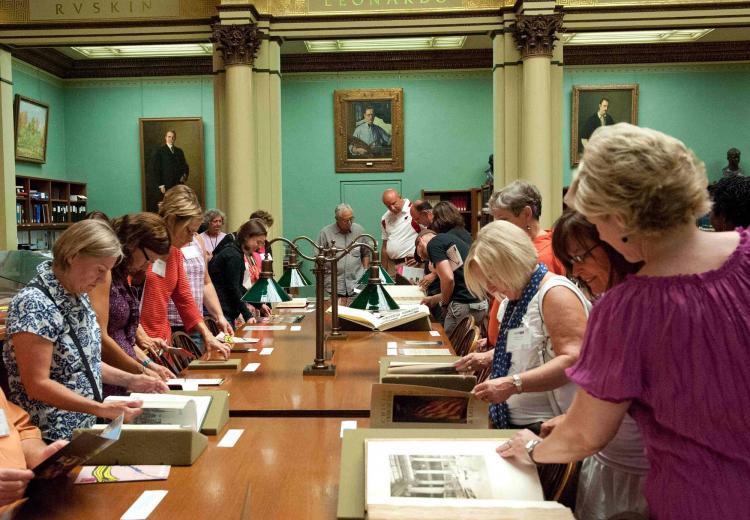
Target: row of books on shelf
(52,214)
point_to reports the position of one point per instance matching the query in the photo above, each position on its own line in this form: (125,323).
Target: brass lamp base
(323,370)
(336,335)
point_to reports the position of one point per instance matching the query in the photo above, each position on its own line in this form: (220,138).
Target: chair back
(461,329)
(477,335)
(558,480)
(464,344)
(185,342)
(212,325)
(178,359)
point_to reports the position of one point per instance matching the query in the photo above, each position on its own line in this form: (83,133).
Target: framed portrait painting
(32,120)
(369,130)
(183,163)
(599,105)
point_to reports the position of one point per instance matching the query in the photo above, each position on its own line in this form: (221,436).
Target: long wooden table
(278,387)
(281,468)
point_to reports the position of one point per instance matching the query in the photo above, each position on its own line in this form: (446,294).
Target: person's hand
(224,326)
(548,426)
(481,344)
(425,282)
(13,484)
(146,384)
(162,189)
(516,447)
(37,456)
(410,262)
(474,362)
(113,409)
(431,301)
(153,345)
(265,310)
(496,390)
(159,372)
(358,151)
(216,349)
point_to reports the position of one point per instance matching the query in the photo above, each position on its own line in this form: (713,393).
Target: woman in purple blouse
(125,345)
(671,344)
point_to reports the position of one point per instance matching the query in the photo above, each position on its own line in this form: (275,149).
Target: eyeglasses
(145,255)
(350,219)
(578,259)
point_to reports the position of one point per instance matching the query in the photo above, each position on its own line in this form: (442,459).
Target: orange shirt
(20,428)
(543,245)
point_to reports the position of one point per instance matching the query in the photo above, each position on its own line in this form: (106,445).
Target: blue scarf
(514,313)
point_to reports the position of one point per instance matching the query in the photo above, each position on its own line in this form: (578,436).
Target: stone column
(220,122)
(238,44)
(267,89)
(535,37)
(8,230)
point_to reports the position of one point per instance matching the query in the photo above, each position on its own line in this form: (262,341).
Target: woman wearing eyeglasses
(125,345)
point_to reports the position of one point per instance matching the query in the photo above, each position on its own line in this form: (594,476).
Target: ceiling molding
(383,61)
(657,53)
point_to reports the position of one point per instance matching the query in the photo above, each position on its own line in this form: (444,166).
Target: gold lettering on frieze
(82,10)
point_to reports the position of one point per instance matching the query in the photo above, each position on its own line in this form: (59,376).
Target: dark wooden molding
(387,61)
(49,60)
(657,53)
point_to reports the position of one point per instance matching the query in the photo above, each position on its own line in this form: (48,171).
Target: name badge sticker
(159,268)
(4,426)
(519,339)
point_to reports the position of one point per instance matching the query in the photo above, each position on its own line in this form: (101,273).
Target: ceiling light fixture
(386,44)
(634,37)
(146,51)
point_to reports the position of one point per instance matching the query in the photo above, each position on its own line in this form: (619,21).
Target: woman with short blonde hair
(53,352)
(661,345)
(541,312)
(169,284)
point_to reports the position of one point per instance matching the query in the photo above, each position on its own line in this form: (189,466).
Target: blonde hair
(652,181)
(502,252)
(92,238)
(179,206)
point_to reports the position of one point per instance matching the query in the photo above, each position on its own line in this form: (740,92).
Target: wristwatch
(517,383)
(530,449)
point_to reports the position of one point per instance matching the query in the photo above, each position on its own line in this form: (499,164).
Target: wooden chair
(477,337)
(181,358)
(463,345)
(461,329)
(559,482)
(212,325)
(185,342)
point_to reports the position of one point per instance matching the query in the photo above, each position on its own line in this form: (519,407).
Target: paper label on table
(195,381)
(251,367)
(424,352)
(265,327)
(230,438)
(434,333)
(392,344)
(189,386)
(266,351)
(235,339)
(159,267)
(295,328)
(347,425)
(145,505)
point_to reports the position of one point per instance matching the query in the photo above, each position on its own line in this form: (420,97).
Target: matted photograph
(171,153)
(32,121)
(599,105)
(440,476)
(369,130)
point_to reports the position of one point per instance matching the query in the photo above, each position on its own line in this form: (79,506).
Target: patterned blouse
(195,268)
(32,311)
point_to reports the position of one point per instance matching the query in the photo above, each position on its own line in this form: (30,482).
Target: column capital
(535,34)
(238,43)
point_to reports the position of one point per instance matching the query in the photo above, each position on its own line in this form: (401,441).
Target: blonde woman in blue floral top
(53,355)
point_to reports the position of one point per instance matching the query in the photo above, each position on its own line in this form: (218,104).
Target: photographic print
(440,476)
(32,120)
(599,105)
(428,409)
(182,163)
(369,130)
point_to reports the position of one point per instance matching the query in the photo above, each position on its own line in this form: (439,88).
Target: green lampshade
(374,298)
(266,290)
(385,278)
(293,277)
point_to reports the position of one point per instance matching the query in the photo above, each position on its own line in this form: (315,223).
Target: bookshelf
(468,202)
(48,204)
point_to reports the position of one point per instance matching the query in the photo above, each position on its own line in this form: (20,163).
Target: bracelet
(146,362)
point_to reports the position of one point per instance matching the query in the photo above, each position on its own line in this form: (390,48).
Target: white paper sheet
(266,351)
(424,352)
(145,505)
(347,425)
(230,438)
(434,333)
(295,328)
(265,327)
(251,367)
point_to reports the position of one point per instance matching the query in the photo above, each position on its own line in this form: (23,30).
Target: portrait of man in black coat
(600,118)
(168,164)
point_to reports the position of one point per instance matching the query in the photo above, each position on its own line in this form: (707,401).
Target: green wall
(706,106)
(447,140)
(94,133)
(40,86)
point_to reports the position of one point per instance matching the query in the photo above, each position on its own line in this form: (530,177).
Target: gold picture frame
(622,107)
(369,130)
(31,118)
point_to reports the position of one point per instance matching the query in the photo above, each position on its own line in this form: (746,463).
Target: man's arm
(184,168)
(447,282)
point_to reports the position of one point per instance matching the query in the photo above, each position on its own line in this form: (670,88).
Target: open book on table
(168,410)
(408,318)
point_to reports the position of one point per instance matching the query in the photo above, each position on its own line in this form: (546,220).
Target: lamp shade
(374,297)
(293,277)
(266,290)
(385,278)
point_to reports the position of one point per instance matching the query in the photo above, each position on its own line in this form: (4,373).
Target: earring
(528,228)
(624,239)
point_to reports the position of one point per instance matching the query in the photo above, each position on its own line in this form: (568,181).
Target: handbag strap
(86,367)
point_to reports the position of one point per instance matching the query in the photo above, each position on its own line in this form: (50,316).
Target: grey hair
(211,214)
(341,207)
(516,196)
